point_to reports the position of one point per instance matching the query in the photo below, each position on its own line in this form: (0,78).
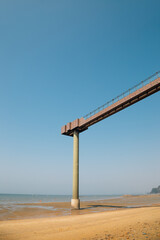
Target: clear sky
(60,59)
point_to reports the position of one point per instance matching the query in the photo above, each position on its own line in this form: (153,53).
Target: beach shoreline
(128,217)
(137,223)
(57,209)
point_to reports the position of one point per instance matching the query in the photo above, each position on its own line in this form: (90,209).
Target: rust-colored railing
(124,94)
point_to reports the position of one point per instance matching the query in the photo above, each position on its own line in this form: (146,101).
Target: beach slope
(137,223)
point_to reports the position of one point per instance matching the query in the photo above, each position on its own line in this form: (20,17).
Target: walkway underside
(83,123)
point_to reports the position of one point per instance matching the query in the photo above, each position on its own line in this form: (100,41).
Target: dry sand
(122,223)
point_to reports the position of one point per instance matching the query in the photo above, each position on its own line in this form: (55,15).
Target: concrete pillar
(75,202)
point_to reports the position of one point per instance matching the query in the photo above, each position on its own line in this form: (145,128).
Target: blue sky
(58,61)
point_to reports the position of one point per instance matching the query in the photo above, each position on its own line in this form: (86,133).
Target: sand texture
(54,209)
(140,222)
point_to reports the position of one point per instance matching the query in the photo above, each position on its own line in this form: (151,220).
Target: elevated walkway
(137,93)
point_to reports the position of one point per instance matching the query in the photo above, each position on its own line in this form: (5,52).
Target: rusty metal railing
(124,94)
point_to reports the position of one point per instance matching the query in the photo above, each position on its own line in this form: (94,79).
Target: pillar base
(75,203)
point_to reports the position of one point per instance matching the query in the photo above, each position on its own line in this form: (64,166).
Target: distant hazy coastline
(155,190)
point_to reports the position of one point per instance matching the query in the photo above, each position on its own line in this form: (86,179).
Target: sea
(36,198)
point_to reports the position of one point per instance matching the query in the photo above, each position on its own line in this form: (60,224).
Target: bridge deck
(144,89)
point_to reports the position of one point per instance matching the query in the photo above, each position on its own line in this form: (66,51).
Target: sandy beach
(129,217)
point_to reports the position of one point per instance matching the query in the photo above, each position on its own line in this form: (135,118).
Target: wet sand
(129,217)
(54,209)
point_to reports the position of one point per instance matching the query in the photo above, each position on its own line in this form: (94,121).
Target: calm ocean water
(34,198)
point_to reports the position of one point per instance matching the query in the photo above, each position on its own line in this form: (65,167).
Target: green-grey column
(75,202)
